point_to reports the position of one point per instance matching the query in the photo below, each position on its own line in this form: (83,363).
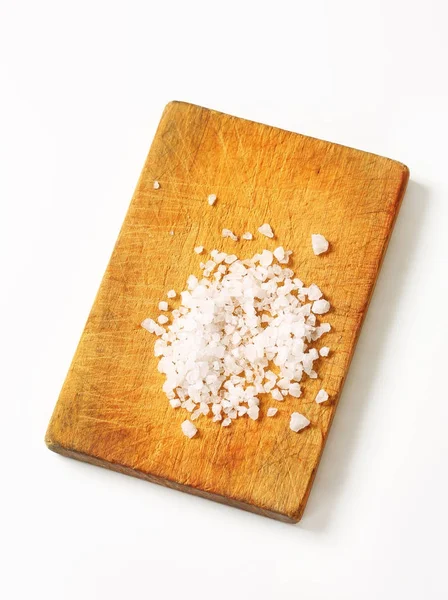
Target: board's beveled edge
(174,104)
(226,500)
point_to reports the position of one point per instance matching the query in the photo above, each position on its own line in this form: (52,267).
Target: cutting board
(111,411)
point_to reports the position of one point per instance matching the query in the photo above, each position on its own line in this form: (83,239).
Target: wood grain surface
(111,410)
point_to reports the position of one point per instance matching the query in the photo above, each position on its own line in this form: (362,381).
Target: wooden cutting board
(111,411)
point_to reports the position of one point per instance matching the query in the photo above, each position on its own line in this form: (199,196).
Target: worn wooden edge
(399,164)
(98,462)
(399,200)
(295,516)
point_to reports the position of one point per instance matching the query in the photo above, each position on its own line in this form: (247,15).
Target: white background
(82,87)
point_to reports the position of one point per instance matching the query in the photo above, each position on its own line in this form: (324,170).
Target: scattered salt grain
(199,249)
(319,243)
(294,390)
(162,319)
(314,292)
(171,294)
(271,412)
(247,236)
(189,429)
(163,305)
(320,307)
(266,230)
(322,396)
(226,422)
(175,402)
(279,253)
(298,422)
(226,233)
(149,325)
(277,395)
(253,412)
(156,185)
(285,259)
(171,232)
(211,199)
(324,351)
(266,258)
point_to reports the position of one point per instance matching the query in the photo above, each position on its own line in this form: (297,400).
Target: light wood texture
(111,411)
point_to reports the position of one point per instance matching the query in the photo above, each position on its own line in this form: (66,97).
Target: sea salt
(319,243)
(298,422)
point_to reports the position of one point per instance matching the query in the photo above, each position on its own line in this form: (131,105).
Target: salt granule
(298,422)
(322,396)
(226,233)
(324,351)
(171,294)
(163,305)
(266,230)
(294,390)
(247,236)
(314,292)
(253,412)
(211,199)
(266,258)
(271,412)
(156,185)
(279,253)
(277,395)
(189,429)
(162,319)
(320,307)
(199,249)
(319,243)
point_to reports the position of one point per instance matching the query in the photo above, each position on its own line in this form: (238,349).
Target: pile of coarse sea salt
(245,328)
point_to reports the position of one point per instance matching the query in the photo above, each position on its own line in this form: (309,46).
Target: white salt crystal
(211,199)
(320,307)
(226,233)
(266,230)
(314,292)
(171,232)
(149,325)
(162,319)
(324,351)
(156,185)
(279,253)
(189,429)
(163,305)
(226,422)
(199,249)
(175,402)
(298,422)
(230,258)
(192,282)
(285,259)
(247,236)
(319,243)
(171,294)
(295,390)
(322,396)
(266,258)
(276,394)
(253,412)
(271,412)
